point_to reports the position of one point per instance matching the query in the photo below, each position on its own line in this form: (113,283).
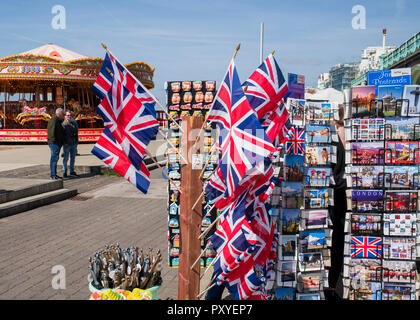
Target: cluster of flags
(129,115)
(253,124)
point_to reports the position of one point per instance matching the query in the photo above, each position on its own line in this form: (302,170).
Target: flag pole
(144,88)
(210,226)
(173,147)
(220,85)
(201,254)
(208,160)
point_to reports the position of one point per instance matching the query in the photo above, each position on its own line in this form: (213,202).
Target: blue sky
(194,40)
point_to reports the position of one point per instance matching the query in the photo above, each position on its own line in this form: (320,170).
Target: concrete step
(15,188)
(32,202)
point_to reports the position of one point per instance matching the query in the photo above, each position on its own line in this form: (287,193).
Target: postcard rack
(180,102)
(382,155)
(307,197)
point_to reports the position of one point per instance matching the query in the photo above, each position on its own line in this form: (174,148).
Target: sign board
(296,84)
(401,76)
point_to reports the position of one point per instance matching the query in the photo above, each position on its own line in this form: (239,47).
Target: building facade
(342,74)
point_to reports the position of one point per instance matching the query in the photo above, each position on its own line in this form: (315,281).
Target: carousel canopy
(53,51)
(51,62)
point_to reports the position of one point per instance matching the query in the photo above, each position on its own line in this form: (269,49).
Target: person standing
(55,140)
(339,211)
(77,126)
(70,141)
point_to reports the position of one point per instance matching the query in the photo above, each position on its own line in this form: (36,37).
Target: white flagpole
(144,88)
(261,41)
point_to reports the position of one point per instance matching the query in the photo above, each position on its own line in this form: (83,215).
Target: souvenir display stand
(382,157)
(302,202)
(191,98)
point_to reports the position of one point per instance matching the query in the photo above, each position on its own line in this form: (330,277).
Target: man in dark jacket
(55,140)
(70,143)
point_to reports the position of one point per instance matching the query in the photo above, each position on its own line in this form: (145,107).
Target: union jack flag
(295,141)
(242,245)
(266,87)
(244,142)
(365,247)
(110,152)
(277,125)
(127,108)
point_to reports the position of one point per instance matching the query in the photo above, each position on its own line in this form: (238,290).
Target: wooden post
(190,220)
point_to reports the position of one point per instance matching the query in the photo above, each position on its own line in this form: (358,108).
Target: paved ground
(67,234)
(21,156)
(107,209)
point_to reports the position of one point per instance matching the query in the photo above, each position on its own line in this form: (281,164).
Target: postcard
(366,224)
(317,176)
(401,177)
(370,153)
(363,101)
(284,293)
(399,271)
(287,247)
(295,141)
(400,248)
(320,133)
(293,167)
(292,195)
(310,240)
(365,247)
(296,109)
(401,128)
(365,176)
(314,219)
(366,200)
(311,261)
(363,269)
(365,129)
(289,221)
(320,155)
(398,292)
(318,198)
(411,105)
(400,224)
(361,290)
(401,201)
(309,296)
(389,98)
(286,274)
(312,281)
(402,152)
(320,111)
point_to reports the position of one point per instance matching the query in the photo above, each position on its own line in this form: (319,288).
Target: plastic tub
(154,290)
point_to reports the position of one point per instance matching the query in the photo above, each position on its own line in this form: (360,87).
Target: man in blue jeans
(55,140)
(69,143)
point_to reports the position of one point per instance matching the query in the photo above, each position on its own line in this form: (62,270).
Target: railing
(359,80)
(405,50)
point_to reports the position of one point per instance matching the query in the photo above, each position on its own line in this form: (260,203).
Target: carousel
(34,83)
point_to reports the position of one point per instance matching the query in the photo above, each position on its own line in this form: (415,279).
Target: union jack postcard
(365,247)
